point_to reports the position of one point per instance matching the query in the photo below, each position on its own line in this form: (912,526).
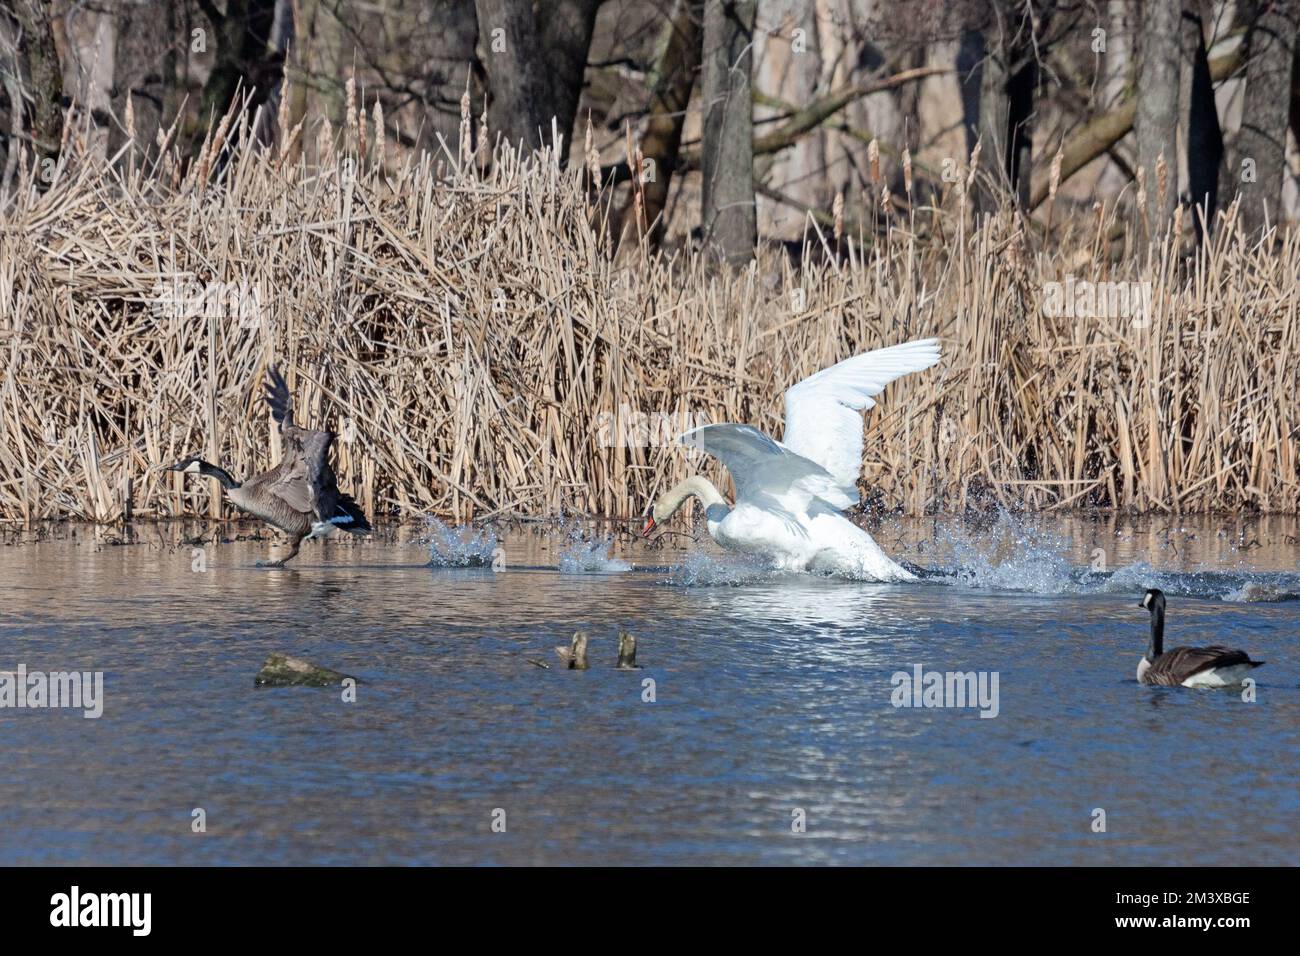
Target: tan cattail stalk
(873,160)
(1190,405)
(907,170)
(837,215)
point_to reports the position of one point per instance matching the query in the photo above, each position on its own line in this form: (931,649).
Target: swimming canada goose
(575,655)
(1213,666)
(789,493)
(300,495)
(627,652)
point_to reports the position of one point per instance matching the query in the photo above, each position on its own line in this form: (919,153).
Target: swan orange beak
(649,526)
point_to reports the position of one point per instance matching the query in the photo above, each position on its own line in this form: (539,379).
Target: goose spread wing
(281,403)
(1177,664)
(306,481)
(823,413)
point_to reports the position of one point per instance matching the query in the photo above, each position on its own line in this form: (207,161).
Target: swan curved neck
(697,486)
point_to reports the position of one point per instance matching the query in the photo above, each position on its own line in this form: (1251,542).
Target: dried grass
(472,337)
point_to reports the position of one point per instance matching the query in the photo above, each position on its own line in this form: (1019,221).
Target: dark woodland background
(743,117)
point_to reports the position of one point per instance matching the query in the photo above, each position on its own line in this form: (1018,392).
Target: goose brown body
(1177,665)
(300,495)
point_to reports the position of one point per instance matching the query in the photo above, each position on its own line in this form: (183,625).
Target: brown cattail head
(282,115)
(483,150)
(325,140)
(466,150)
(592,155)
(380,139)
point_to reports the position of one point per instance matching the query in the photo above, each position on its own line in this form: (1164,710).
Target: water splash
(1011,556)
(458,547)
(1015,554)
(591,557)
(699,569)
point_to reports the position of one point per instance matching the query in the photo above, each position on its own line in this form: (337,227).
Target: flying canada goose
(1213,666)
(789,494)
(299,496)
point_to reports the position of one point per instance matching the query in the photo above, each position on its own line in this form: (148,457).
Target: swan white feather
(789,494)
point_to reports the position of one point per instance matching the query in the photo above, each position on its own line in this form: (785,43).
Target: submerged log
(281,670)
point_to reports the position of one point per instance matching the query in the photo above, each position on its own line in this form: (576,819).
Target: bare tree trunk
(509,40)
(1157,106)
(671,84)
(451,72)
(244,62)
(280,41)
(1020,99)
(47,78)
(727,162)
(993,130)
(1295,94)
(787,65)
(99,68)
(1271,43)
(1117,72)
(565,27)
(12,72)
(1201,134)
(1008,80)
(970,77)
(1104,132)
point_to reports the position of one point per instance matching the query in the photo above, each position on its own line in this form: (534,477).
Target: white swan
(789,494)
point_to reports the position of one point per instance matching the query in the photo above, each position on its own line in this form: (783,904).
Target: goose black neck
(1157,645)
(223,476)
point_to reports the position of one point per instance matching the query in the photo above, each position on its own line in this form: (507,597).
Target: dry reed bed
(478,348)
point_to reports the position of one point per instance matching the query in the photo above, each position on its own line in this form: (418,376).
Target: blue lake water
(771,703)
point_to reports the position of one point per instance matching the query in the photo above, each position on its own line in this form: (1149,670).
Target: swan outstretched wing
(765,471)
(823,413)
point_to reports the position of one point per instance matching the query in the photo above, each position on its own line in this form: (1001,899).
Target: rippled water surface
(772,701)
